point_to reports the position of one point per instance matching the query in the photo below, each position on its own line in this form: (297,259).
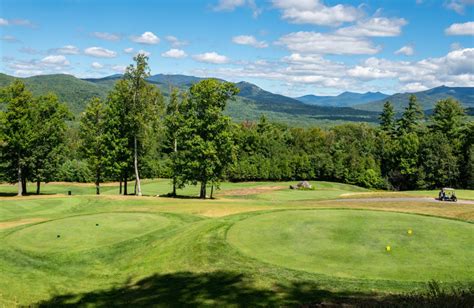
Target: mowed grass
(352,244)
(255,244)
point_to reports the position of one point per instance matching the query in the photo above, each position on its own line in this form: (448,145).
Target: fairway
(256,244)
(351,244)
(85,231)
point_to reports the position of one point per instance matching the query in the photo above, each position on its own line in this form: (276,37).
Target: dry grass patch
(20,222)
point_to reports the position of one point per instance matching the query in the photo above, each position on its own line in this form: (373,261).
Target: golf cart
(447,194)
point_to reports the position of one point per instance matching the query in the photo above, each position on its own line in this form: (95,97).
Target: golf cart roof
(447,188)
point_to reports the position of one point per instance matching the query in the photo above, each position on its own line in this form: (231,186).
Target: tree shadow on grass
(223,289)
(196,289)
(15,194)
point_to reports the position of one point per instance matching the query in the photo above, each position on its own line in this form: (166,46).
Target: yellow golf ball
(410,232)
(388,248)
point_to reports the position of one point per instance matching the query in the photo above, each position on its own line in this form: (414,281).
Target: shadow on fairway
(193,289)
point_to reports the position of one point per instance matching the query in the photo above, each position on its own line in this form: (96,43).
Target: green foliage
(411,118)
(205,141)
(447,117)
(75,171)
(387,118)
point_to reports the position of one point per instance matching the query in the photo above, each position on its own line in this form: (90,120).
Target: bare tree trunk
(202,194)
(38,183)
(174,175)
(97,183)
(23,186)
(125,186)
(20,182)
(120,189)
(135,162)
(212,190)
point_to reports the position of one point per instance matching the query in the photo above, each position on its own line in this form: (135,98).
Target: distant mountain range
(252,101)
(373,101)
(427,99)
(346,99)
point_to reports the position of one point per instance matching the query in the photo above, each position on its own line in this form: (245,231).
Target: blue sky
(292,47)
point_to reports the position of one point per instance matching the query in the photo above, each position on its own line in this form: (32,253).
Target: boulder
(302,185)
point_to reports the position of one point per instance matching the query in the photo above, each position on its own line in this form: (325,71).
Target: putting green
(85,232)
(352,244)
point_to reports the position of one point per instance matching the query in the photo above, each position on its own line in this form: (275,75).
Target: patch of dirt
(16,223)
(251,191)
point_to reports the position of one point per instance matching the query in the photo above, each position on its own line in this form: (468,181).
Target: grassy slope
(186,261)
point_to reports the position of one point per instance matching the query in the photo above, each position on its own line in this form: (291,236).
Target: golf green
(352,244)
(85,231)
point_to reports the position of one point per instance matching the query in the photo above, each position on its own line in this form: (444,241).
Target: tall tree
(18,135)
(387,118)
(93,136)
(448,117)
(411,118)
(49,136)
(172,120)
(206,145)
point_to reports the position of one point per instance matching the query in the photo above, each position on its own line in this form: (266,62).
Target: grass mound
(352,244)
(85,231)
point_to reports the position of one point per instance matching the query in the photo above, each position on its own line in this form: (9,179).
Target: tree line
(135,132)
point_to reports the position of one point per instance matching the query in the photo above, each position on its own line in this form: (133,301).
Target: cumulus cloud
(3,22)
(106,36)
(128,50)
(10,39)
(174,53)
(466,28)
(376,26)
(100,52)
(316,13)
(144,52)
(405,50)
(458,6)
(211,57)
(119,68)
(57,60)
(48,64)
(230,5)
(97,65)
(175,42)
(147,37)
(249,40)
(66,50)
(456,68)
(322,43)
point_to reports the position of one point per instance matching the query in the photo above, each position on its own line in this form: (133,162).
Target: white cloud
(315,12)
(100,52)
(461,29)
(249,40)
(97,65)
(458,5)
(3,22)
(405,50)
(66,50)
(322,43)
(128,50)
(230,5)
(10,39)
(175,42)
(174,53)
(376,26)
(455,46)
(147,37)
(211,57)
(56,60)
(144,52)
(119,68)
(106,36)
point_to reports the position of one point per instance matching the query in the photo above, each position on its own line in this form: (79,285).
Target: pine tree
(387,118)
(411,117)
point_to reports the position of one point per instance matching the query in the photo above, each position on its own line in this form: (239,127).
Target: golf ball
(410,231)
(388,248)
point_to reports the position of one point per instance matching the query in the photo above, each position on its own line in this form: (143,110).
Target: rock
(301,185)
